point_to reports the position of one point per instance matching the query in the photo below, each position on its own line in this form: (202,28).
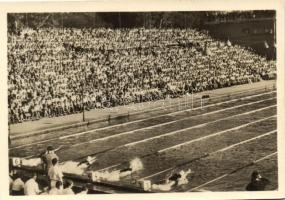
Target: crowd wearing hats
(61,71)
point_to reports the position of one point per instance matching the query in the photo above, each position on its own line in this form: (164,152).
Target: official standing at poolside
(54,173)
(47,158)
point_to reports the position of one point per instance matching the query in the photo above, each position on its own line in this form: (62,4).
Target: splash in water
(136,164)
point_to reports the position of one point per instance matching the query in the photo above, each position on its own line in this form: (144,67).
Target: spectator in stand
(31,186)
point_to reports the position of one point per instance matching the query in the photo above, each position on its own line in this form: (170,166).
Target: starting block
(16,162)
(145,185)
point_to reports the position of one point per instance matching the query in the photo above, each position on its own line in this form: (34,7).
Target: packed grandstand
(58,71)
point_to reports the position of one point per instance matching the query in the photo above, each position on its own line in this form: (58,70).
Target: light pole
(83,82)
(82,101)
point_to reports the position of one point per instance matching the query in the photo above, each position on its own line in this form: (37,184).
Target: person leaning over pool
(257,183)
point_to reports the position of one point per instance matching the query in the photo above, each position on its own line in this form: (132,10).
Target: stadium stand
(60,71)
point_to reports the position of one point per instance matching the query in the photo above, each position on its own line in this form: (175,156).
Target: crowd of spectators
(60,71)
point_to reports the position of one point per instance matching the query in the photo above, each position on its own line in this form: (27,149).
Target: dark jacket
(257,185)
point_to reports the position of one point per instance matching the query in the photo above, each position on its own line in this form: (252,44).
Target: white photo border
(146,5)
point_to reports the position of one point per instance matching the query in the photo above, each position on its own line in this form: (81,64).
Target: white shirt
(67,191)
(55,173)
(18,185)
(49,156)
(31,187)
(55,191)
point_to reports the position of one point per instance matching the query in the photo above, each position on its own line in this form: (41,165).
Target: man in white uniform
(47,158)
(55,173)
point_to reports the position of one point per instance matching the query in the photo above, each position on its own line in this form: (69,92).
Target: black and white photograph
(124,102)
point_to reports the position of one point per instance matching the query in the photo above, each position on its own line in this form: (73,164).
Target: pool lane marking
(196,126)
(214,152)
(168,114)
(175,121)
(213,135)
(192,127)
(201,138)
(227,174)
